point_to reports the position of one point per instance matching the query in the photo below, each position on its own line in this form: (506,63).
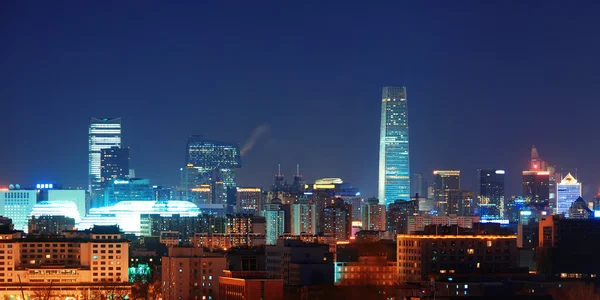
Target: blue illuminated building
(394,171)
(128,189)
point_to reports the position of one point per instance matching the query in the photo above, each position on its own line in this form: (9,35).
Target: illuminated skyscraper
(568,191)
(491,194)
(248,200)
(275,218)
(304,217)
(539,182)
(446,191)
(103,133)
(215,161)
(394,172)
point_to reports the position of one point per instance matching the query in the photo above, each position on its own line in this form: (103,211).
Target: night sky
(484,82)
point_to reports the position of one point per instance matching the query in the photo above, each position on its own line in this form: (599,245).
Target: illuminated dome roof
(329,181)
(127,214)
(56,208)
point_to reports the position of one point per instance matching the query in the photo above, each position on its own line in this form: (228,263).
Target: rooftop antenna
(297,169)
(278,169)
(576,174)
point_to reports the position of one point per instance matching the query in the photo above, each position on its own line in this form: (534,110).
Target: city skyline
(170,95)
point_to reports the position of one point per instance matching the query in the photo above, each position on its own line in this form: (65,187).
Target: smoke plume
(256,134)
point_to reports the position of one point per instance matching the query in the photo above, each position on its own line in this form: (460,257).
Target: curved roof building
(127,214)
(55,208)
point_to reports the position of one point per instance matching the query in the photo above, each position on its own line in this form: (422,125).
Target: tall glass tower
(394,172)
(103,133)
(491,194)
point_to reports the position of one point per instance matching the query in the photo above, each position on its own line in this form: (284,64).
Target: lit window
(489,243)
(471,251)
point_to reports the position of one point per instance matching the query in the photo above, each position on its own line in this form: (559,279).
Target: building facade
(114,164)
(249,200)
(373,216)
(215,161)
(338,220)
(568,190)
(367,271)
(191,273)
(491,194)
(131,189)
(16,204)
(446,190)
(103,133)
(249,285)
(394,163)
(304,217)
(429,254)
(275,221)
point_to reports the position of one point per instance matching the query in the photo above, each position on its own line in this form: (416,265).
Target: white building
(104,133)
(568,190)
(75,196)
(16,204)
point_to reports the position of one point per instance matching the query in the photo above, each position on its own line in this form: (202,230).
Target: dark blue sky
(485,81)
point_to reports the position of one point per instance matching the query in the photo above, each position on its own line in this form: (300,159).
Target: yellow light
(201,190)
(248,189)
(342,242)
(480,237)
(323,186)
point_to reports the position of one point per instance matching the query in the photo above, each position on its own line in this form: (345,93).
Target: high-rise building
(536,186)
(248,200)
(114,164)
(491,194)
(568,190)
(275,218)
(304,217)
(16,204)
(394,167)
(373,215)
(338,220)
(539,182)
(579,210)
(103,133)
(398,214)
(214,159)
(446,187)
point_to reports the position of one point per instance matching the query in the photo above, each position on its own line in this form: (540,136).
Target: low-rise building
(443,250)
(299,263)
(249,285)
(368,270)
(418,223)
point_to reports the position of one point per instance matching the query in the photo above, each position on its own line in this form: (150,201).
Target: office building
(304,217)
(446,188)
(394,163)
(201,194)
(452,251)
(191,273)
(249,200)
(299,263)
(245,224)
(275,218)
(72,265)
(16,204)
(357,205)
(469,205)
(103,133)
(374,215)
(225,241)
(216,161)
(536,186)
(491,194)
(419,222)
(539,182)
(50,225)
(131,189)
(398,214)
(114,164)
(249,285)
(338,220)
(568,191)
(162,193)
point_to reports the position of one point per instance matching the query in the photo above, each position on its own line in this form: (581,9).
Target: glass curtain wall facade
(103,133)
(568,190)
(215,161)
(394,172)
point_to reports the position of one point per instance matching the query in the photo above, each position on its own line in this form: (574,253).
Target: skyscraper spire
(278,177)
(534,153)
